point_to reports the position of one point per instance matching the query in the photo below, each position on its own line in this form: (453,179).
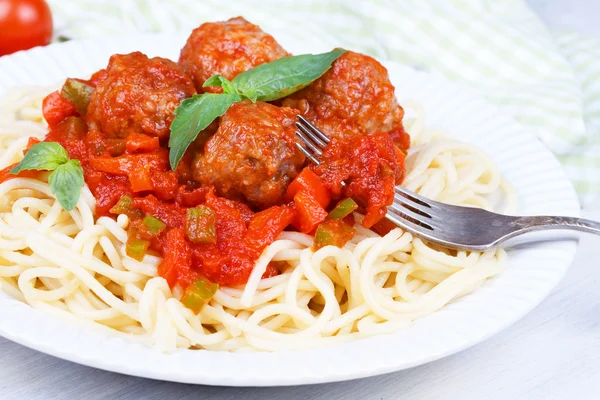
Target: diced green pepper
(124,206)
(77,93)
(198,294)
(154,226)
(333,232)
(200,227)
(136,248)
(343,209)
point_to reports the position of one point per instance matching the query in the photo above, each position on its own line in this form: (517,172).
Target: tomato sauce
(136,167)
(370,166)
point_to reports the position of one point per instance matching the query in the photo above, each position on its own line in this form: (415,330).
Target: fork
(455,227)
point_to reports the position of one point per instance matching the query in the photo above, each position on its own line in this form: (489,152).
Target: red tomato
(24,24)
(6,175)
(265,226)
(177,261)
(137,142)
(168,213)
(55,107)
(308,182)
(310,212)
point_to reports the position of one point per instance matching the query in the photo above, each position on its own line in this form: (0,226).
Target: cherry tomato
(24,24)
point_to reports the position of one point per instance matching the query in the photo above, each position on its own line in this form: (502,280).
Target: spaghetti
(74,265)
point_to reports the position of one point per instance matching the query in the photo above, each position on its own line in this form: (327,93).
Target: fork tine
(316,131)
(407,194)
(430,235)
(417,206)
(407,209)
(401,221)
(307,132)
(307,154)
(411,217)
(307,142)
(422,216)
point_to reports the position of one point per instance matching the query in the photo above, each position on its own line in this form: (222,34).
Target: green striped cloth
(548,81)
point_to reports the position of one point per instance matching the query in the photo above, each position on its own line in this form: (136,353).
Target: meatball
(252,157)
(354,97)
(227,48)
(137,94)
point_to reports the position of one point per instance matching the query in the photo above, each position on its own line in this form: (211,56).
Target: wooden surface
(552,353)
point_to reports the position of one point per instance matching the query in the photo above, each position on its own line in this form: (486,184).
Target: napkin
(547,81)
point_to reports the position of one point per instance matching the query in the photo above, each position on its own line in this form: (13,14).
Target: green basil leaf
(252,96)
(66,182)
(44,156)
(219,80)
(193,116)
(280,78)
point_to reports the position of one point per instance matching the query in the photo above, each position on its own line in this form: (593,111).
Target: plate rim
(69,354)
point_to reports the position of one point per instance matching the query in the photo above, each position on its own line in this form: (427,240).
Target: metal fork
(455,227)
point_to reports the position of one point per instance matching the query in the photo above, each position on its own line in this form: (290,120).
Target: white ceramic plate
(531,274)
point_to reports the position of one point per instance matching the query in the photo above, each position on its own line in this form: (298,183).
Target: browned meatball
(137,94)
(252,156)
(354,97)
(227,48)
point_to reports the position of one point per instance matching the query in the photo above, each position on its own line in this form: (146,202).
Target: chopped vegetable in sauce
(200,225)
(78,93)
(343,209)
(153,225)
(333,232)
(136,248)
(242,181)
(198,294)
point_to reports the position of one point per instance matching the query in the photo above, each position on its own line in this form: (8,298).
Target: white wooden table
(553,353)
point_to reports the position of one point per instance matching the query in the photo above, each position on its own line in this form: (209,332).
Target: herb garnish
(66,179)
(266,82)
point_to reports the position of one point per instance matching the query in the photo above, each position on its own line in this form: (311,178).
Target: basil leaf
(252,96)
(266,82)
(44,156)
(219,80)
(66,182)
(280,78)
(192,116)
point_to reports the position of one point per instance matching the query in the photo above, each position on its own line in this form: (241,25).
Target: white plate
(531,274)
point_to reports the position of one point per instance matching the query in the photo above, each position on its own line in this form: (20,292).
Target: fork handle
(540,223)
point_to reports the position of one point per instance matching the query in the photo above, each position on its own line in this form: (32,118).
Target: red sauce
(370,166)
(137,165)
(142,171)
